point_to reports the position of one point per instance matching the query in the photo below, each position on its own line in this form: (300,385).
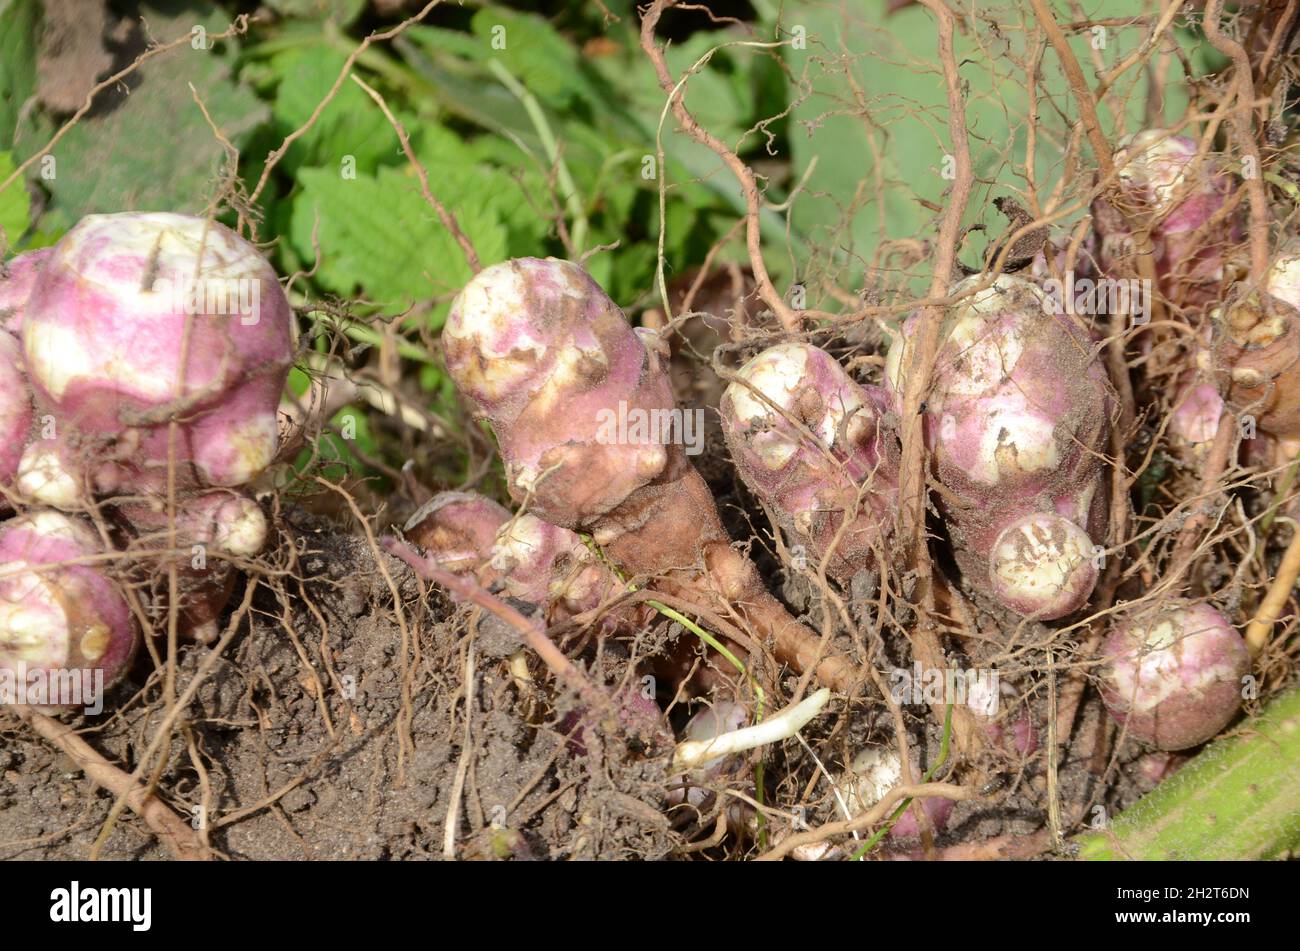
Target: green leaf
(379,237)
(153,150)
(18,20)
(349,125)
(531,48)
(14,205)
(880,156)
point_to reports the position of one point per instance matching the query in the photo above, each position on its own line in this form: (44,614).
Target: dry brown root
(174,832)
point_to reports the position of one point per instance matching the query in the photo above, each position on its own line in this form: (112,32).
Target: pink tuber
(589,432)
(1018,425)
(139,319)
(528,559)
(61,615)
(212,530)
(1173,678)
(811,444)
(1175,198)
(17,278)
(15,410)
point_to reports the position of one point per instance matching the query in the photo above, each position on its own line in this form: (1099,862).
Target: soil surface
(335,727)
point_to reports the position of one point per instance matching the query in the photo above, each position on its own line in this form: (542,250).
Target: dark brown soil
(311,748)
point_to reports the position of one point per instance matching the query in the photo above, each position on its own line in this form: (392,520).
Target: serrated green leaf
(531,48)
(380,238)
(349,125)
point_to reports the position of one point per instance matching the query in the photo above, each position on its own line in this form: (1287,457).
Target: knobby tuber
(528,559)
(1173,677)
(582,410)
(1177,198)
(1018,426)
(1256,350)
(138,320)
(813,444)
(59,609)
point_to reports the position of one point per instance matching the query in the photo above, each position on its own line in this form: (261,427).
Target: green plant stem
(568,190)
(1239,799)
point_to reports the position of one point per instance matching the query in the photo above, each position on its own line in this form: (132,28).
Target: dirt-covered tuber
(581,406)
(1018,425)
(1173,677)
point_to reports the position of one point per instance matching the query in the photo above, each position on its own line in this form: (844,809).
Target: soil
(321,738)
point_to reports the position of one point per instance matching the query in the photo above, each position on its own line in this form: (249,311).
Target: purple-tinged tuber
(136,320)
(811,443)
(61,616)
(1018,425)
(1172,193)
(457,529)
(1256,348)
(17,278)
(213,528)
(1173,678)
(591,438)
(526,558)
(15,410)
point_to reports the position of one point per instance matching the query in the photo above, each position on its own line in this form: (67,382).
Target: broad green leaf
(881,142)
(349,125)
(153,150)
(379,237)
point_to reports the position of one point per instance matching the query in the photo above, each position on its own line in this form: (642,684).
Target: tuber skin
(541,351)
(1164,185)
(813,445)
(15,410)
(874,772)
(1018,423)
(695,787)
(457,529)
(17,278)
(522,556)
(1197,409)
(55,614)
(1173,678)
(116,350)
